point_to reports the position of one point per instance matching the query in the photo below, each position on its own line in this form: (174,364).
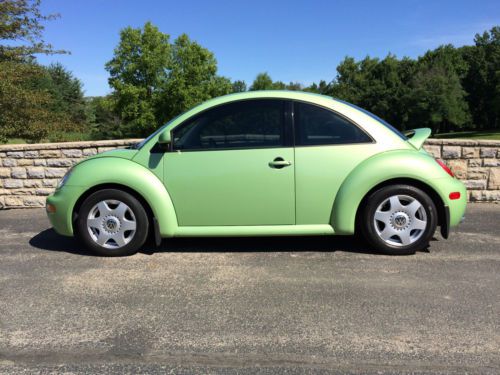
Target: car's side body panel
(320,171)
(231,187)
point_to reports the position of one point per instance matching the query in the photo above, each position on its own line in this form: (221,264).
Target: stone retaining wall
(28,173)
(476,163)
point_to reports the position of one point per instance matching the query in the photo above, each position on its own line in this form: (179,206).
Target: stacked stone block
(476,163)
(28,173)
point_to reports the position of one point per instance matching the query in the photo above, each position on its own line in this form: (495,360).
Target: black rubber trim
(156,227)
(445,225)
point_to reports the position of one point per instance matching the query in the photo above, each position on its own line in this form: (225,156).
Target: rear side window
(319,126)
(375,117)
(244,124)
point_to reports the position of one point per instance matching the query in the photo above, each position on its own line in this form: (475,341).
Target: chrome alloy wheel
(111,224)
(400,220)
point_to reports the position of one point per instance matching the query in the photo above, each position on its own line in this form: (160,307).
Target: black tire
(141,220)
(422,236)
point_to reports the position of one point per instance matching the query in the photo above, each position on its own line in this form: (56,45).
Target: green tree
(407,93)
(239,86)
(322,88)
(262,82)
(66,92)
(102,118)
(192,79)
(377,85)
(294,86)
(482,81)
(138,71)
(22,22)
(436,98)
(24,108)
(154,80)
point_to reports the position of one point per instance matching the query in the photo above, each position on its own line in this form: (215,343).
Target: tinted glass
(319,126)
(382,121)
(245,124)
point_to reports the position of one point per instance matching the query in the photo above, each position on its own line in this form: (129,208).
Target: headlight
(64,179)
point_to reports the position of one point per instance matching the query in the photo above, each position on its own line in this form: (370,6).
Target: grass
(485,134)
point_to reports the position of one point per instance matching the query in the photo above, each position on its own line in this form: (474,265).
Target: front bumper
(63,200)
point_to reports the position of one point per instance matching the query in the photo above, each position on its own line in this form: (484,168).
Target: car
(262,163)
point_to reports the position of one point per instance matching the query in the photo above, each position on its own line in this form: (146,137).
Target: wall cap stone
(66,145)
(462,142)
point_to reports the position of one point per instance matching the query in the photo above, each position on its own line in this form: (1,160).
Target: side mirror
(165,138)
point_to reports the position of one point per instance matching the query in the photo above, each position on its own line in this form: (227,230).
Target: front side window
(319,126)
(244,124)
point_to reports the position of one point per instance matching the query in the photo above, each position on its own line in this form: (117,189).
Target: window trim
(287,131)
(391,127)
(296,125)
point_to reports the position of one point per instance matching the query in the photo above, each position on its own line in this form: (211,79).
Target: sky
(291,40)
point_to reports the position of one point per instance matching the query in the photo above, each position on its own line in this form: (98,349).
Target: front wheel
(112,223)
(399,219)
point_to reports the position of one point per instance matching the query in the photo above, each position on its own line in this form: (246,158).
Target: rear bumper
(456,206)
(454,209)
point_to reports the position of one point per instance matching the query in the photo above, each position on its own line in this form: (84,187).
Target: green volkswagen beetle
(262,163)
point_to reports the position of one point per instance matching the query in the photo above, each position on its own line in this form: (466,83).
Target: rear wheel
(399,219)
(112,223)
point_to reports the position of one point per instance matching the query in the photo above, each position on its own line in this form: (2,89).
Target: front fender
(111,170)
(376,170)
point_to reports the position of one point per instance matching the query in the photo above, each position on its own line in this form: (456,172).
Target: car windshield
(375,117)
(145,140)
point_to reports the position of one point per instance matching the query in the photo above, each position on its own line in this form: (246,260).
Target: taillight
(445,167)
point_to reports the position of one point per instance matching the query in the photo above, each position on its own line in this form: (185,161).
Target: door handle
(279,163)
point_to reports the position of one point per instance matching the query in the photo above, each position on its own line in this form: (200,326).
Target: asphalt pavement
(237,305)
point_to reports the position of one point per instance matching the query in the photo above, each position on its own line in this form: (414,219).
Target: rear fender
(376,170)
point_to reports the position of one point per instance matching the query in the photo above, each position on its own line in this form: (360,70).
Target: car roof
(283,94)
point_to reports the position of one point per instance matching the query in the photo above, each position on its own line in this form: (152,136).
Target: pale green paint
(320,171)
(419,136)
(231,187)
(255,230)
(123,153)
(64,200)
(235,192)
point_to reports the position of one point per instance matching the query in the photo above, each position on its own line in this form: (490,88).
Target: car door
(233,165)
(328,146)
